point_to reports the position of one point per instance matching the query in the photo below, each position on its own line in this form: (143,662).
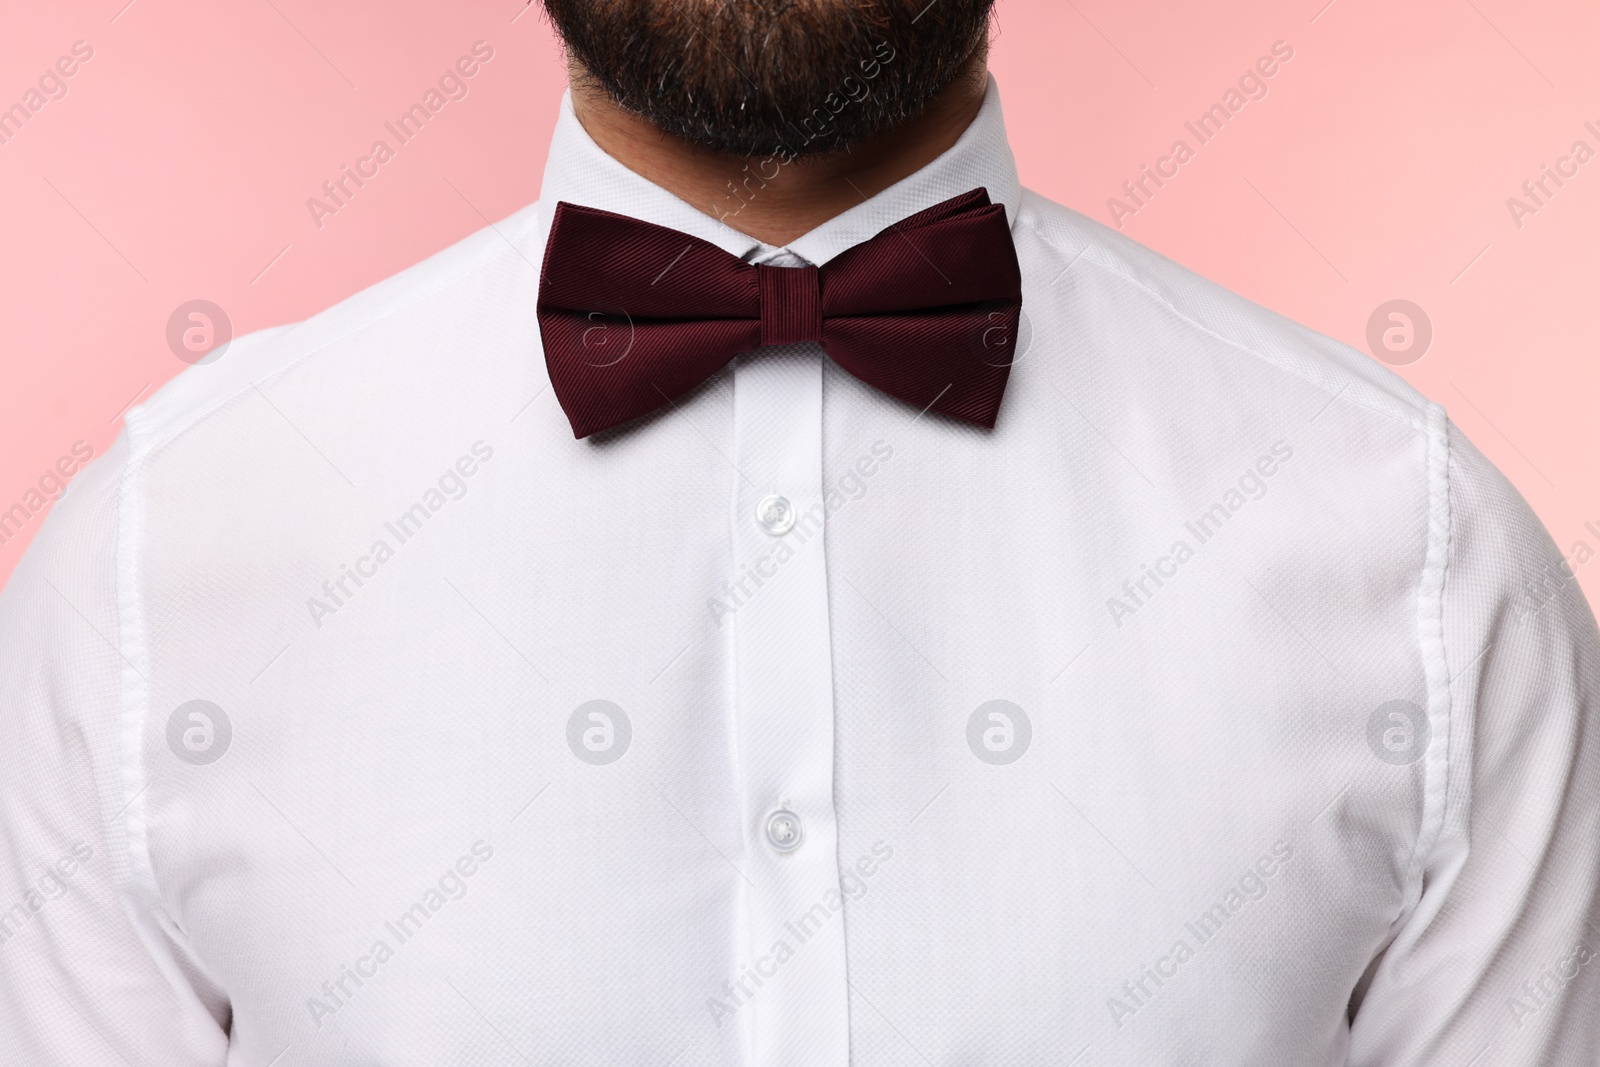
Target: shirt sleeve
(90,974)
(1498,961)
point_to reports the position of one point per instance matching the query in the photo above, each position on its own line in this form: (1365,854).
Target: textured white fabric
(1298,762)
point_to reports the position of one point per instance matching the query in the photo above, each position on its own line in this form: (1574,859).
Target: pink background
(1378,166)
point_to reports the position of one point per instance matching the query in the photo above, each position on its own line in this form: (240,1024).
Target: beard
(787,77)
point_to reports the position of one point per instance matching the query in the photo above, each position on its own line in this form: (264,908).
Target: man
(792,597)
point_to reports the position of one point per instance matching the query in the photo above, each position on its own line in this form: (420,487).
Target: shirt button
(775,514)
(783,831)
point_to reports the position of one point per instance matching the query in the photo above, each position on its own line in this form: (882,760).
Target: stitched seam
(135,666)
(134,672)
(1435,660)
(1432,422)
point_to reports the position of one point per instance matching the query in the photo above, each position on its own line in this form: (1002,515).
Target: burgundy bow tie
(635,315)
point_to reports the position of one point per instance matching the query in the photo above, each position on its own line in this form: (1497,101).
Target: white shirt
(1215,708)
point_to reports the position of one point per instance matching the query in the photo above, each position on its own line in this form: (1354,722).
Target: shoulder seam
(1431,644)
(135,693)
(1413,421)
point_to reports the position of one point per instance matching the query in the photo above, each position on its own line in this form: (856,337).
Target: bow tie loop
(791,304)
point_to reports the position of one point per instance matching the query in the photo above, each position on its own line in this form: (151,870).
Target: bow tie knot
(791,304)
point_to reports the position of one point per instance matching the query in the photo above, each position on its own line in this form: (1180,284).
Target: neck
(772,201)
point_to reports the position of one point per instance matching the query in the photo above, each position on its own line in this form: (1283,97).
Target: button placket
(783,709)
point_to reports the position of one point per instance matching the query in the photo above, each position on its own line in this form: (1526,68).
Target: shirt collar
(581,172)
